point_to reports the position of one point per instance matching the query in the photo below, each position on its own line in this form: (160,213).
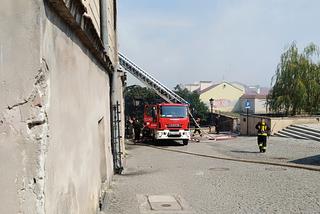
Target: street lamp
(211,100)
(211,104)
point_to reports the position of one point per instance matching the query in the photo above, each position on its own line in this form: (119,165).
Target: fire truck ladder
(151,82)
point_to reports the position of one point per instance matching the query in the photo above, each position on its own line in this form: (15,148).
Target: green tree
(296,86)
(198,108)
(143,95)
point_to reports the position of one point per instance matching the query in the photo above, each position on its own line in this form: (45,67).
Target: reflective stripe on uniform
(263,130)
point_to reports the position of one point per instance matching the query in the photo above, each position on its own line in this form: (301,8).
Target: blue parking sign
(247,105)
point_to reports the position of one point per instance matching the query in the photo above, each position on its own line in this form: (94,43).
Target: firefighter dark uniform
(137,129)
(263,130)
(197,128)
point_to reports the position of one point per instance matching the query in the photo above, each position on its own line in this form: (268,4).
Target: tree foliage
(144,95)
(296,86)
(198,108)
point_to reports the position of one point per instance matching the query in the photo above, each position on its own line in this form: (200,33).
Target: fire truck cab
(167,121)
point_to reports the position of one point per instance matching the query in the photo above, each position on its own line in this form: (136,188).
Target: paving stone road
(217,186)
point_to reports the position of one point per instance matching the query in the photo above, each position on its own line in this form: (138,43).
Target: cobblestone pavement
(217,186)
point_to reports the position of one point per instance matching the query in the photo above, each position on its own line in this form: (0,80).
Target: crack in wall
(42,83)
(40,80)
(37,132)
(17,104)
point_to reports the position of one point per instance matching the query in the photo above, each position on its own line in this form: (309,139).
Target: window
(173,111)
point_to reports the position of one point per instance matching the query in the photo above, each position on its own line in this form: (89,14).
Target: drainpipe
(115,124)
(113,78)
(104,23)
(116,121)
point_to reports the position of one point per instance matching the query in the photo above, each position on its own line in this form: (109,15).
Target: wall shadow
(245,152)
(312,160)
(163,143)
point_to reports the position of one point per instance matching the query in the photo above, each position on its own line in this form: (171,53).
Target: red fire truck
(167,121)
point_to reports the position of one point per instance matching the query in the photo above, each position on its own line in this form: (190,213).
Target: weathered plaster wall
(55,147)
(22,118)
(79,158)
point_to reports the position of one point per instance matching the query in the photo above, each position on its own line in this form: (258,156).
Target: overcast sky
(184,41)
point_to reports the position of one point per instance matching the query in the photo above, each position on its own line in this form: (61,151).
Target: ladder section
(151,82)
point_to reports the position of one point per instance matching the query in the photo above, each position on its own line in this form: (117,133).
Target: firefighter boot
(260,147)
(264,146)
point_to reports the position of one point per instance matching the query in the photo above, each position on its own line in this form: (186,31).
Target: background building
(258,103)
(58,83)
(231,97)
(198,86)
(226,97)
(257,97)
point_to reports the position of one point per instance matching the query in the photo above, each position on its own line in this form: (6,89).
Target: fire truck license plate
(174,126)
(174,134)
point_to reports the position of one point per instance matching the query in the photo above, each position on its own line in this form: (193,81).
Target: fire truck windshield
(173,111)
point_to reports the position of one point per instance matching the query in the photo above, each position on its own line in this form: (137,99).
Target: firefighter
(217,124)
(130,127)
(263,132)
(197,127)
(137,129)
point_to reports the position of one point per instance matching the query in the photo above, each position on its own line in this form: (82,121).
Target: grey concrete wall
(55,147)
(19,94)
(251,120)
(79,157)
(276,123)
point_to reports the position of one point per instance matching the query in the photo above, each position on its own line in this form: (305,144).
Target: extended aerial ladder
(151,82)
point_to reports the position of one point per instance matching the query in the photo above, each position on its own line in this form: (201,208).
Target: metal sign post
(247,106)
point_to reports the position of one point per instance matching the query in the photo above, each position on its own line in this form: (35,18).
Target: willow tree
(296,84)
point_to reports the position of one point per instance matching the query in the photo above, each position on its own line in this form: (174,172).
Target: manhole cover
(149,204)
(163,202)
(275,169)
(219,169)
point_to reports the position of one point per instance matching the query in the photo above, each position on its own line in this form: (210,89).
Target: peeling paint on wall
(52,91)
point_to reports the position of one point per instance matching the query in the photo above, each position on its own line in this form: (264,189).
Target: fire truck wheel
(185,142)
